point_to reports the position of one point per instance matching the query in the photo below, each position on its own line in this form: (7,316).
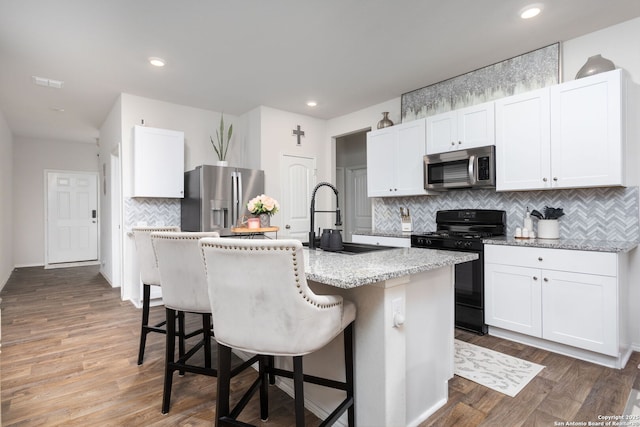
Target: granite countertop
(574,244)
(350,271)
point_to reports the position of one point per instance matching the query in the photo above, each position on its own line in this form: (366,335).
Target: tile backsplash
(152,211)
(591,213)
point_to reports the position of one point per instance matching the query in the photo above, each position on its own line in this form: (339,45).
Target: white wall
(110,137)
(30,159)
(6,207)
(276,140)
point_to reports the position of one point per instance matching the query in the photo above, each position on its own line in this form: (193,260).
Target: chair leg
(298,387)
(181,337)
(224,382)
(272,363)
(206,336)
(264,365)
(146,297)
(349,375)
(169,359)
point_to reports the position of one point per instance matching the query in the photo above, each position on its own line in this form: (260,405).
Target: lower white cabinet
(571,297)
(398,242)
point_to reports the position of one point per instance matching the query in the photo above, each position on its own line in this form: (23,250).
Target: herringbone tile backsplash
(594,213)
(151,212)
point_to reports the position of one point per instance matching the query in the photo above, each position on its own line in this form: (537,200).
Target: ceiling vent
(41,81)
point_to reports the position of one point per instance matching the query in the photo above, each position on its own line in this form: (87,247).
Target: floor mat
(498,371)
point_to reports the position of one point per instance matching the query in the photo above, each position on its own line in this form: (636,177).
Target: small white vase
(222,163)
(548,229)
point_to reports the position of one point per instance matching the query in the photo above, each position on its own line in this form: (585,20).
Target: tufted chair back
(184,285)
(147,264)
(261,302)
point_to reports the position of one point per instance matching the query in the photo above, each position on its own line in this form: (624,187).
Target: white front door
(298,180)
(72,210)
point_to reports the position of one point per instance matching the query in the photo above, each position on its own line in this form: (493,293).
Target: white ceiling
(234,55)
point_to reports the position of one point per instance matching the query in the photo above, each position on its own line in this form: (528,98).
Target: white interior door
(72,224)
(358,204)
(298,180)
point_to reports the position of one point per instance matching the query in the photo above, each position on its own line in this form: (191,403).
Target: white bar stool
(149,276)
(184,290)
(261,304)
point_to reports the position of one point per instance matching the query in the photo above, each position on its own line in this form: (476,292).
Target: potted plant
(220,145)
(263,206)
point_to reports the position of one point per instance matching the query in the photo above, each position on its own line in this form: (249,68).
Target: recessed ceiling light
(156,62)
(311,103)
(57,109)
(531,11)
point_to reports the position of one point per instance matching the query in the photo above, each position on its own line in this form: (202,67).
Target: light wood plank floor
(69,351)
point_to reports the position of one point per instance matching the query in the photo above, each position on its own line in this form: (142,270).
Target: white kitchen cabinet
(570,297)
(394,160)
(580,310)
(565,136)
(523,141)
(396,242)
(460,129)
(586,132)
(158,162)
(513,298)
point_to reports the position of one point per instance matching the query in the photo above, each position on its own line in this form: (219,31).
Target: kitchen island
(404,332)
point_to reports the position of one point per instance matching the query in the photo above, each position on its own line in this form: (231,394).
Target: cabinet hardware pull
(535,278)
(539,258)
(555,178)
(544,179)
(545,279)
(453,143)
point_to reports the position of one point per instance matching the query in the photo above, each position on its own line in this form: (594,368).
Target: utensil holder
(548,229)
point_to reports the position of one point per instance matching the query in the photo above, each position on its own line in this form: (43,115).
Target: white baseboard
(71,264)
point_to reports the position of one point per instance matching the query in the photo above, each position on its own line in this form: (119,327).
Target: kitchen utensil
(552,213)
(537,214)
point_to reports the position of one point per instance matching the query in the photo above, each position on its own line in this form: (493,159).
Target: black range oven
(463,230)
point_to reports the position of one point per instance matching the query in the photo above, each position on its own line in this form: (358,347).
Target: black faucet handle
(338,220)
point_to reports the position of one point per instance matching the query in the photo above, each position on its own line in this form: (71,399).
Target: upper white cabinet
(158,162)
(565,136)
(586,132)
(460,129)
(523,141)
(394,160)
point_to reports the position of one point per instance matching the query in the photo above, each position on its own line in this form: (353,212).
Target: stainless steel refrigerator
(215,197)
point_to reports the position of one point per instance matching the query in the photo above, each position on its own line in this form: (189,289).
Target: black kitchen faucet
(312,234)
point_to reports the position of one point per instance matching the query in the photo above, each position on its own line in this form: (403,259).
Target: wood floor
(69,351)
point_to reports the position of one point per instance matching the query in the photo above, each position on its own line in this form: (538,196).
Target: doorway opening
(351,180)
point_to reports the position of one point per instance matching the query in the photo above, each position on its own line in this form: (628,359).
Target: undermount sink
(349,248)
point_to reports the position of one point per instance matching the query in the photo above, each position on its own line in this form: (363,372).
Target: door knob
(287,226)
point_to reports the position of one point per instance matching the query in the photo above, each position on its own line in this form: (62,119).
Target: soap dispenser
(528,222)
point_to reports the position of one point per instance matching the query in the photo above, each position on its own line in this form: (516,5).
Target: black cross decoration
(298,132)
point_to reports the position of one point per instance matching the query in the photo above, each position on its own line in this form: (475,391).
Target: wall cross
(298,132)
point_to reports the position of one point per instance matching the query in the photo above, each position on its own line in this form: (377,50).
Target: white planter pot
(548,229)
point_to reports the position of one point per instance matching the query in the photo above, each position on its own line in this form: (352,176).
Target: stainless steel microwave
(470,168)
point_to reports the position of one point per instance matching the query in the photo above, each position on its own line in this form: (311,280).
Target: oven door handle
(472,169)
